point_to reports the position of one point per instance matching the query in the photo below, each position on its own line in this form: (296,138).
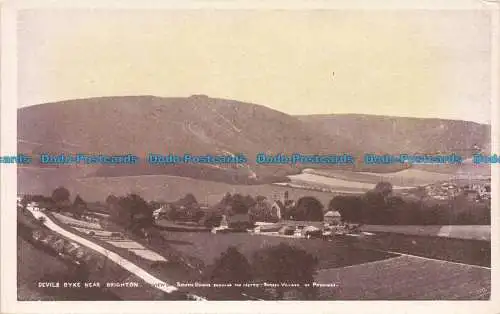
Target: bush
(230,267)
(61,194)
(308,208)
(286,264)
(133,212)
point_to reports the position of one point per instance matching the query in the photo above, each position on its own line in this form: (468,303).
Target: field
(154,187)
(407,177)
(332,182)
(76,222)
(207,247)
(37,263)
(459,232)
(406,278)
(340,180)
(383,266)
(375,267)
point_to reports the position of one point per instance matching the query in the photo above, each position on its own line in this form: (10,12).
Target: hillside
(203,125)
(397,135)
(197,124)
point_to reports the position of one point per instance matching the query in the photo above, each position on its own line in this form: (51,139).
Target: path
(124,263)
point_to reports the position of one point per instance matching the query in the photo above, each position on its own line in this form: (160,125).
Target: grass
(159,187)
(332,182)
(179,267)
(359,266)
(172,226)
(407,177)
(37,263)
(406,278)
(459,232)
(75,222)
(97,270)
(471,252)
(207,247)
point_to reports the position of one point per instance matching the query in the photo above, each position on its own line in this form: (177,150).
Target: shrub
(286,264)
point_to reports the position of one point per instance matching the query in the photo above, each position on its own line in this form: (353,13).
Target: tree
(79,206)
(374,207)
(226,200)
(383,187)
(260,198)
(133,212)
(231,267)
(239,204)
(212,219)
(60,197)
(262,211)
(286,264)
(111,199)
(172,213)
(249,201)
(308,208)
(350,207)
(188,200)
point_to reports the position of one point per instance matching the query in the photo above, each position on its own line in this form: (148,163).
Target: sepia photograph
(198,154)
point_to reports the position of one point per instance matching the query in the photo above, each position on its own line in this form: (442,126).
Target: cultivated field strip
(407,278)
(96,233)
(477,232)
(124,263)
(77,223)
(130,245)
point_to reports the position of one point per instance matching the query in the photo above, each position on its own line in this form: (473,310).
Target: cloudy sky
(401,63)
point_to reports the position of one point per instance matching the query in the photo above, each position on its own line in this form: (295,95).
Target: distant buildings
(333,218)
(282,205)
(448,190)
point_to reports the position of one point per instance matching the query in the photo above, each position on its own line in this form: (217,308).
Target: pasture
(76,222)
(332,182)
(406,278)
(365,180)
(458,232)
(376,267)
(208,247)
(154,187)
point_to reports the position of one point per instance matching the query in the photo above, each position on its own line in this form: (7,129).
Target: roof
(279,204)
(238,218)
(332,213)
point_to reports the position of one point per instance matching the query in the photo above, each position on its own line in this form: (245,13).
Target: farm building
(277,208)
(282,205)
(239,222)
(333,217)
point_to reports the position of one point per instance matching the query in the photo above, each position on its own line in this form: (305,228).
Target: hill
(196,125)
(202,125)
(395,135)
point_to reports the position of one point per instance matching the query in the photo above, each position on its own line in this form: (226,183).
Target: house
(332,217)
(162,211)
(236,222)
(277,209)
(282,205)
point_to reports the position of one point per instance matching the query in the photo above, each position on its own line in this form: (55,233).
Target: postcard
(242,156)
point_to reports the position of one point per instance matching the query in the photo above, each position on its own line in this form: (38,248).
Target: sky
(433,64)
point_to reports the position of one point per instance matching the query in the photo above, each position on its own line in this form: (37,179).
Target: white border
(8,179)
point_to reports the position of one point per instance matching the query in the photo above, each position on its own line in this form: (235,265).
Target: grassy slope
(208,247)
(397,135)
(167,188)
(143,124)
(99,270)
(202,125)
(457,232)
(407,278)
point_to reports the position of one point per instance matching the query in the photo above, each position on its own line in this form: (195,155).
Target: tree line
(380,206)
